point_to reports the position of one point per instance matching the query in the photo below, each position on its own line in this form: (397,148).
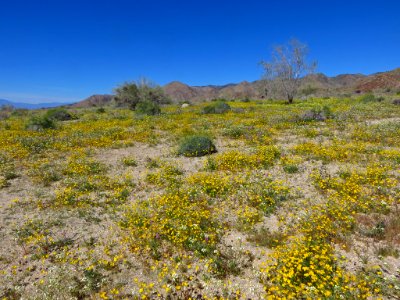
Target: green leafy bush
(130,94)
(196,145)
(218,107)
(148,108)
(41,123)
(59,114)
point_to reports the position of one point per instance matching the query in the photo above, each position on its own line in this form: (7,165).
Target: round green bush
(148,108)
(196,145)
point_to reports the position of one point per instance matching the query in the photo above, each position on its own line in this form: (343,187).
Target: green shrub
(41,123)
(371,98)
(20,112)
(317,114)
(101,110)
(218,107)
(131,94)
(7,168)
(148,108)
(196,145)
(291,169)
(59,114)
(46,173)
(234,132)
(129,162)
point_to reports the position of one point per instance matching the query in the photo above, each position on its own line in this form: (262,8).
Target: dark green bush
(196,145)
(131,94)
(218,107)
(291,169)
(148,108)
(59,114)
(41,123)
(371,98)
(101,110)
(396,102)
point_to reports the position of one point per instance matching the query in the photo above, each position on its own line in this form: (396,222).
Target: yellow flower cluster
(176,218)
(211,184)
(263,157)
(308,269)
(336,151)
(248,216)
(167,176)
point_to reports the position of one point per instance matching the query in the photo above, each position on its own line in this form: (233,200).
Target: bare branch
(287,66)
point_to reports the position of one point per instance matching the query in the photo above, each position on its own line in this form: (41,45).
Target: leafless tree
(287,66)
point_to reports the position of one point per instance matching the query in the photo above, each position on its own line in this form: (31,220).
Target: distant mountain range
(30,105)
(317,85)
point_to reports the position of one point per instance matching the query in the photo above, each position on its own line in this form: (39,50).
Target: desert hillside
(314,85)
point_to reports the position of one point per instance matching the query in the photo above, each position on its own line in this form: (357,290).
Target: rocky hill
(316,84)
(93,101)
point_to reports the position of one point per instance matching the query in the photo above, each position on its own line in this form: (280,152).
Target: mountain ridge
(25,105)
(317,84)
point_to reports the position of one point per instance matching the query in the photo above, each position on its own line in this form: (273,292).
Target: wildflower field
(296,201)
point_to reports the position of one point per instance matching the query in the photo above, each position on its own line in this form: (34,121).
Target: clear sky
(59,50)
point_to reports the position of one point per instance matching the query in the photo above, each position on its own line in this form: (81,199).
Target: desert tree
(150,91)
(287,66)
(129,94)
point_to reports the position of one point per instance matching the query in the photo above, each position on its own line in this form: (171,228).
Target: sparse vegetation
(219,107)
(301,201)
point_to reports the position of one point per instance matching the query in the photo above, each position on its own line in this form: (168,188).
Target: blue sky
(64,51)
